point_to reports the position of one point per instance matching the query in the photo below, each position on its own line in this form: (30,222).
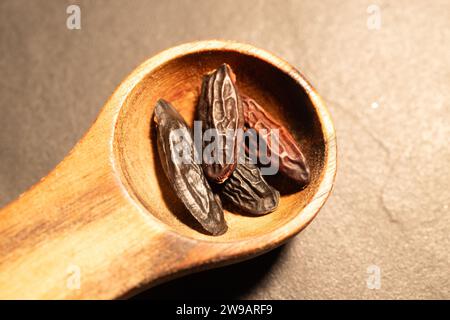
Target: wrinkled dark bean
(248,191)
(186,177)
(291,160)
(220,108)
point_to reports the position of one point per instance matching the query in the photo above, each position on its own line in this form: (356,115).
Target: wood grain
(107,209)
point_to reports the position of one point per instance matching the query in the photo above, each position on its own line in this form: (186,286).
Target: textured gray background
(390,203)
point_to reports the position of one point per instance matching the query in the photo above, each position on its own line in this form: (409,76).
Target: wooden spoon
(105,223)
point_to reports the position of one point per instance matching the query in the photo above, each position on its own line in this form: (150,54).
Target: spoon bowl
(108,209)
(178,79)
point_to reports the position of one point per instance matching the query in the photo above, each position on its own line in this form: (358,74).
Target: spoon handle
(76,234)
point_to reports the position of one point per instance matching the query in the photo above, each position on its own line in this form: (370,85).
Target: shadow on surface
(230,282)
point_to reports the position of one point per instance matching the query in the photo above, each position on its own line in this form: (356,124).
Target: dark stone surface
(387,90)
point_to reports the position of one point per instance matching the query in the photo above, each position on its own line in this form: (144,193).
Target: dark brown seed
(292,162)
(219,108)
(248,191)
(176,151)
